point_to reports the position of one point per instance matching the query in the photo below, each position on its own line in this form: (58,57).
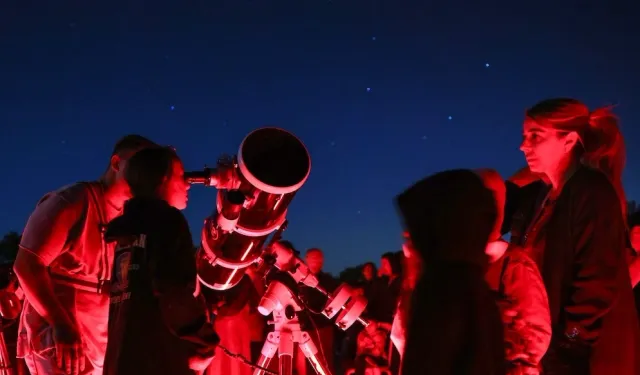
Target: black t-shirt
(155,322)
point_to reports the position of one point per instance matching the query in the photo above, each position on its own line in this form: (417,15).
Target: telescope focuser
(223,177)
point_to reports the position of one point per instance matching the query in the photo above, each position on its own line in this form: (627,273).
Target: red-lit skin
(385,268)
(37,285)
(549,152)
(368,272)
(314,260)
(175,190)
(635,238)
(634,262)
(412,268)
(493,181)
(412,264)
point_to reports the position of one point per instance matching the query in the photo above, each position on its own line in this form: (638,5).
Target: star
(358,212)
(332,143)
(450,118)
(373,38)
(368,89)
(171,108)
(424,137)
(487,65)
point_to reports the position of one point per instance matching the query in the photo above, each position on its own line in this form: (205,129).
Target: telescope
(255,189)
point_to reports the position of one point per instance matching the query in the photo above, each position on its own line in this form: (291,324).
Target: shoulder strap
(98,204)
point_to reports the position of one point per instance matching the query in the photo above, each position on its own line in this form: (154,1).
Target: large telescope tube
(271,166)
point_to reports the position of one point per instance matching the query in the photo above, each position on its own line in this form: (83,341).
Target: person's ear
(570,141)
(115,163)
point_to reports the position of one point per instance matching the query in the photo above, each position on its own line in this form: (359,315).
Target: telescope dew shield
(272,165)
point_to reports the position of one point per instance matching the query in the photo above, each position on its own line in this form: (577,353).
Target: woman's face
(175,189)
(544,147)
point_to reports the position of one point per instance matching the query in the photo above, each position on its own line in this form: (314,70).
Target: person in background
(519,291)
(412,270)
(233,318)
(63,266)
(454,325)
(633,252)
(314,259)
(158,321)
(633,224)
(368,280)
(257,322)
(385,293)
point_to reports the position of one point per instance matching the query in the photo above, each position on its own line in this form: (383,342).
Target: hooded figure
(454,326)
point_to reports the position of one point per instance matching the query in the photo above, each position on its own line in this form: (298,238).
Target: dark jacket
(384,299)
(156,325)
(584,270)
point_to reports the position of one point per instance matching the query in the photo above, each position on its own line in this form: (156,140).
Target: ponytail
(604,148)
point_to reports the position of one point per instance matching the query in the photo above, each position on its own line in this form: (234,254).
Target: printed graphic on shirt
(123,266)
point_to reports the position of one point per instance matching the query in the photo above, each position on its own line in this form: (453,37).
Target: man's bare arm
(43,240)
(36,283)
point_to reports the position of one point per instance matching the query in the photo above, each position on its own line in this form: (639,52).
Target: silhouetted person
(454,324)
(158,324)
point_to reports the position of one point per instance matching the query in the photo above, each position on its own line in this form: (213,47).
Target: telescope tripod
(287,333)
(6,367)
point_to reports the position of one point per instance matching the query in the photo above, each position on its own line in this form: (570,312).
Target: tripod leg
(285,353)
(269,349)
(6,367)
(310,351)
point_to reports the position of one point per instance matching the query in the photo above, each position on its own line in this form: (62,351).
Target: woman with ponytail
(571,222)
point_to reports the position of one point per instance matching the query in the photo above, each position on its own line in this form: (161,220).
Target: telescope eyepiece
(197,177)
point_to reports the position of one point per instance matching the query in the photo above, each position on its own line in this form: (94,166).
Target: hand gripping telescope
(255,189)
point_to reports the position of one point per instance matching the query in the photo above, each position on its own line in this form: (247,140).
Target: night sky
(381,92)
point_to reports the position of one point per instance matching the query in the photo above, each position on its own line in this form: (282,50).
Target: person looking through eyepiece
(155,307)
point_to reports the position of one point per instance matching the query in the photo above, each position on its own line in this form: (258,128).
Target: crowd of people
(109,275)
